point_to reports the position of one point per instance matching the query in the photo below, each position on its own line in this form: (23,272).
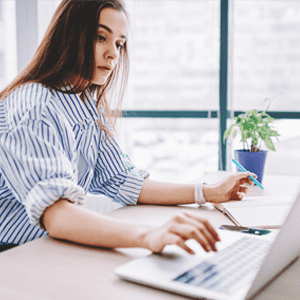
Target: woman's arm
(229,188)
(163,193)
(66,221)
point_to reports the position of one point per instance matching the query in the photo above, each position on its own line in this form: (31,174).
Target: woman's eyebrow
(109,30)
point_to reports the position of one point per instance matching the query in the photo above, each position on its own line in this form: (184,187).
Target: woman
(56,143)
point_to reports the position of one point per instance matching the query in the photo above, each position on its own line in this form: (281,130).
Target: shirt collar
(76,109)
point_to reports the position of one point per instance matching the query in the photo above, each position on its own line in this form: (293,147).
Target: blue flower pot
(252,161)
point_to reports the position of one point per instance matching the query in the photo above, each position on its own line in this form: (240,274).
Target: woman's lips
(104,68)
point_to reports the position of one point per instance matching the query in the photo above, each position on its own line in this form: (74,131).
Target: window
(1,8)
(174,58)
(174,150)
(8,46)
(174,54)
(45,10)
(265,39)
(265,63)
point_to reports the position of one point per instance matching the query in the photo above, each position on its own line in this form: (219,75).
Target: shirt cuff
(129,191)
(45,193)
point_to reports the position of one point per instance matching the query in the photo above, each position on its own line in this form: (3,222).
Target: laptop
(243,265)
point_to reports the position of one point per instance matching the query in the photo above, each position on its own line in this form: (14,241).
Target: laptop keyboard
(228,269)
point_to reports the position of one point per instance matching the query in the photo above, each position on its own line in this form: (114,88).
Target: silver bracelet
(198,192)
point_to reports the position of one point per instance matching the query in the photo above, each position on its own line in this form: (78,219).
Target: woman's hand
(229,188)
(178,230)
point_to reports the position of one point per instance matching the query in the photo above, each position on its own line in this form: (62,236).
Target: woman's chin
(98,82)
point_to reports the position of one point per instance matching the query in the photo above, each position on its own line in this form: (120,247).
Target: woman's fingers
(187,231)
(207,225)
(239,193)
(190,226)
(243,189)
(175,239)
(244,178)
(236,196)
(178,230)
(198,221)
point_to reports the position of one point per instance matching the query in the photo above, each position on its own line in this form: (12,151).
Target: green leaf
(253,127)
(254,141)
(269,143)
(259,120)
(247,134)
(274,133)
(254,119)
(247,126)
(234,134)
(226,134)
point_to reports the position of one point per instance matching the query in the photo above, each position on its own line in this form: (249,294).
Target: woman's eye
(101,38)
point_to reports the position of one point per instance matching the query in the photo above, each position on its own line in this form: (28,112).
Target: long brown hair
(68,48)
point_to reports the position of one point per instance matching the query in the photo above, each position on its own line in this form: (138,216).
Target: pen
(224,211)
(244,170)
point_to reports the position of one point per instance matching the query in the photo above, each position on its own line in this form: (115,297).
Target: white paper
(260,216)
(260,201)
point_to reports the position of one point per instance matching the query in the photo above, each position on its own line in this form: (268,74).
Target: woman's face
(111,38)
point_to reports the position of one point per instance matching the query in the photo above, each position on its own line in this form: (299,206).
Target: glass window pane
(265,54)
(174,54)
(172,150)
(46,9)
(265,63)
(286,159)
(8,44)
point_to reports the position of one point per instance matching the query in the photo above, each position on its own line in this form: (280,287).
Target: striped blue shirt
(51,147)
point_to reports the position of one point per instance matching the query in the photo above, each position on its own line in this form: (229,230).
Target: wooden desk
(50,269)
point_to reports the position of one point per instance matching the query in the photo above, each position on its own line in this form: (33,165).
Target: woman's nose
(112,52)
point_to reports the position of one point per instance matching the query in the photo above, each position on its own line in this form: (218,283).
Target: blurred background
(174,48)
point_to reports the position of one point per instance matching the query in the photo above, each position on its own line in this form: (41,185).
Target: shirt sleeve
(115,175)
(38,163)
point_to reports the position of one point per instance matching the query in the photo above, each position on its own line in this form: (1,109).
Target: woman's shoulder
(25,102)
(31,93)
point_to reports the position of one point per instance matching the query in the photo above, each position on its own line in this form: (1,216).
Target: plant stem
(248,148)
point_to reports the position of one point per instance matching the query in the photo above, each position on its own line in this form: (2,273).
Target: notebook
(260,211)
(243,265)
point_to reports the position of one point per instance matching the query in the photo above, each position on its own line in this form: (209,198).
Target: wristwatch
(198,192)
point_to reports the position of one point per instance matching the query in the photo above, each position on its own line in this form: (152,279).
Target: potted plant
(254,127)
